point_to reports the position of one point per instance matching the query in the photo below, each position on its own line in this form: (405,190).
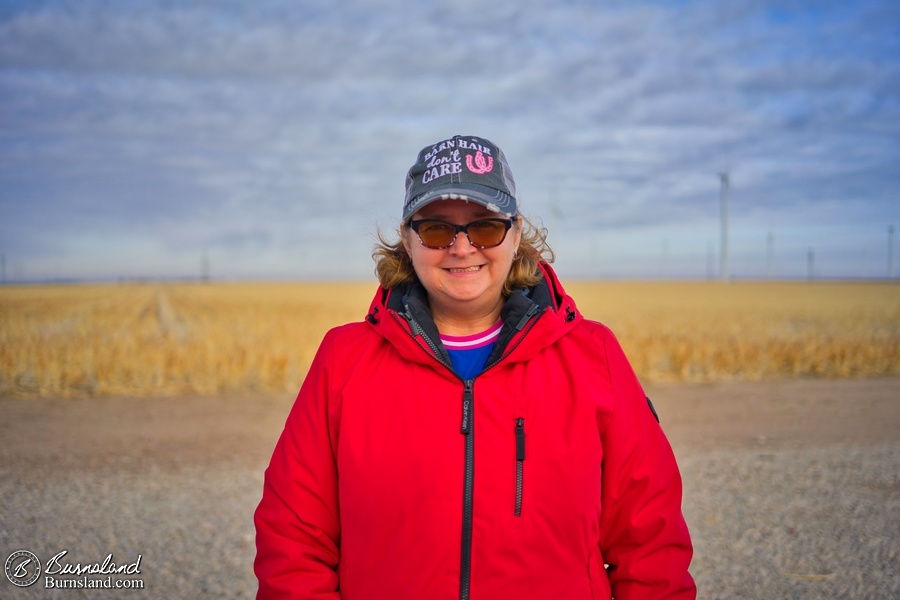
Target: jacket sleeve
(644,537)
(297,522)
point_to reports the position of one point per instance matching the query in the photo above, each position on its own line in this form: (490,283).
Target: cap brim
(493,200)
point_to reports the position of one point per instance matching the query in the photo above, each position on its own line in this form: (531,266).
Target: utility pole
(770,254)
(810,263)
(664,259)
(890,271)
(2,268)
(725,178)
(204,268)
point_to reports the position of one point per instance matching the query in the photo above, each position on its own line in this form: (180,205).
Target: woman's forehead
(445,209)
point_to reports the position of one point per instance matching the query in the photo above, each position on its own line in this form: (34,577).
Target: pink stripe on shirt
(467,342)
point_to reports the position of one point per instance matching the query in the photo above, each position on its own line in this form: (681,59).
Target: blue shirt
(469,353)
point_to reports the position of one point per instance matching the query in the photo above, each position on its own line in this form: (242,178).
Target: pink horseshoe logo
(481,166)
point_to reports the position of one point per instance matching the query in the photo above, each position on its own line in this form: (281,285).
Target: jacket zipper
(467,429)
(465,571)
(520,463)
(531,323)
(416,332)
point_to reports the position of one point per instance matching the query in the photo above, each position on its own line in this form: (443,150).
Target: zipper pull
(520,438)
(468,400)
(528,314)
(407,315)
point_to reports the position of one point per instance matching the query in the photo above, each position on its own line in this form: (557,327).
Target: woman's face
(462,275)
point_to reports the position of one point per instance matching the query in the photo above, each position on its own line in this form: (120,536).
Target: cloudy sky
(270,139)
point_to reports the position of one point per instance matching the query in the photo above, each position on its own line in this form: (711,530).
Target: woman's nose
(462,246)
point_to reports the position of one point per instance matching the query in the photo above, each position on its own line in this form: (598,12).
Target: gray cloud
(232,128)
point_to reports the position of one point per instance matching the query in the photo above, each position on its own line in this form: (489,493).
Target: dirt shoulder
(188,431)
(134,433)
(780,414)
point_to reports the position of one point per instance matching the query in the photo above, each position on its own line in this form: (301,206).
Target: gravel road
(791,488)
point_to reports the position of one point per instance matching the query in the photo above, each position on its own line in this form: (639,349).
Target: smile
(465,270)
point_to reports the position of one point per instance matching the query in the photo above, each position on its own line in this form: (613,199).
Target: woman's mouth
(464,269)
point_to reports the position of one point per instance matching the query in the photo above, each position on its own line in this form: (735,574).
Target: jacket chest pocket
(520,464)
(550,471)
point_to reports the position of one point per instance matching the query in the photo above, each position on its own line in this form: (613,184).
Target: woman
(475,437)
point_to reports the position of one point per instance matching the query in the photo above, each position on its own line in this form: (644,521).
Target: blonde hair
(394,268)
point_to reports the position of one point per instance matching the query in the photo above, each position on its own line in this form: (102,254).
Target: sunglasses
(483,233)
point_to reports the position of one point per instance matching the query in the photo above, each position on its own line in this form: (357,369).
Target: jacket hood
(533,318)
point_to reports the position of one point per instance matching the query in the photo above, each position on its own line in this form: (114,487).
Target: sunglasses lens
(487,233)
(436,234)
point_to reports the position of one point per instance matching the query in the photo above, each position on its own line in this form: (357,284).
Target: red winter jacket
(395,479)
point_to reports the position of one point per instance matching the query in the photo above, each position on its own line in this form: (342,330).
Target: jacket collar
(533,318)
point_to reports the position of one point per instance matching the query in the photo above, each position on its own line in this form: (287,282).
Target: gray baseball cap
(465,167)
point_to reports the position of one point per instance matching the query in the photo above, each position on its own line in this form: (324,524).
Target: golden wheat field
(168,339)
